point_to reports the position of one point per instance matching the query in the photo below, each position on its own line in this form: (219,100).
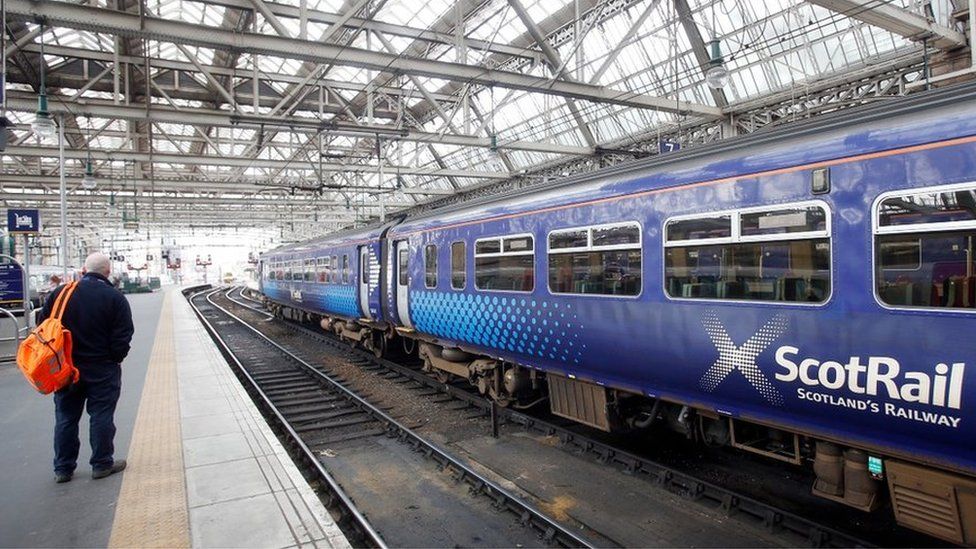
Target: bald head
(98,263)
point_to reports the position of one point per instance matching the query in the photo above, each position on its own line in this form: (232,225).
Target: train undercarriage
(923,498)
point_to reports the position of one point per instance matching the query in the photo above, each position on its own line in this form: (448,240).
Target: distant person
(52,284)
(100,322)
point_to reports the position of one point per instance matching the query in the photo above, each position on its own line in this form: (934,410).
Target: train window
(506,264)
(573,238)
(603,260)
(777,254)
(518,244)
(458,265)
(810,218)
(309,270)
(364,266)
(334,270)
(403,262)
(931,207)
(492,246)
(430,266)
(706,227)
(923,248)
(322,270)
(345,268)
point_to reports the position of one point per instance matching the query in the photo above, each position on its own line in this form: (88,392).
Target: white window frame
(737,238)
(639,246)
(877,230)
(736,218)
(502,253)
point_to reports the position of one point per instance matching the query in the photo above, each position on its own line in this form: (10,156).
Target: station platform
(204,468)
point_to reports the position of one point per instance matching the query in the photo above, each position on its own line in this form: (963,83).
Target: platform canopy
(297,117)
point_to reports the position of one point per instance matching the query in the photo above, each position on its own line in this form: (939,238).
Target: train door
(403,282)
(364,280)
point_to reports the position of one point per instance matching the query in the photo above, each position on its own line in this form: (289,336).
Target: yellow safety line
(152,510)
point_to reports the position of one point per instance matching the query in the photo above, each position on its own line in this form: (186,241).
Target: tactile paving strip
(152,506)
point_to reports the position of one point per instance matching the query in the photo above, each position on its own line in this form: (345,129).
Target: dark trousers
(99,388)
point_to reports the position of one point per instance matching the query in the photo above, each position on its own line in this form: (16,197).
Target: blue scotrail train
(807,294)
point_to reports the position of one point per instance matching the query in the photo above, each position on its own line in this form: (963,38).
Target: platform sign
(666,146)
(23,221)
(11,285)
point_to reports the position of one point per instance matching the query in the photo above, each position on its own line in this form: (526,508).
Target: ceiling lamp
(88,182)
(495,162)
(717,76)
(43,124)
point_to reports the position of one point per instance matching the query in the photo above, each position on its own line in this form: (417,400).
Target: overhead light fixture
(717,76)
(43,124)
(88,182)
(494,157)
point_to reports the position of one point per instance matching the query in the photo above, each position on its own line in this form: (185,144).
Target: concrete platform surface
(205,470)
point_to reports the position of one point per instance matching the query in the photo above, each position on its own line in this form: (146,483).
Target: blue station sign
(11,284)
(23,221)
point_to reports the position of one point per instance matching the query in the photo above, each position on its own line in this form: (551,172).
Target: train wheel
(378,344)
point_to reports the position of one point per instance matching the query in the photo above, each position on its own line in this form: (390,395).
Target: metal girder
(101,109)
(698,46)
(853,87)
(893,18)
(247,204)
(428,35)
(216,70)
(131,25)
(556,65)
(101,154)
(240,185)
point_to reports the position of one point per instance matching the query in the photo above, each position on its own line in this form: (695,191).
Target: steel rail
(528,514)
(358,521)
(733,503)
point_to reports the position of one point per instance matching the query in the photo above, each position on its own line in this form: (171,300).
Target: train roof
(880,126)
(885,125)
(338,238)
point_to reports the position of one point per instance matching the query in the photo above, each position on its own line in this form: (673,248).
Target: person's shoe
(61,478)
(116,467)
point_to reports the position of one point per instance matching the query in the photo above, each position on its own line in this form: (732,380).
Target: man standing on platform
(100,322)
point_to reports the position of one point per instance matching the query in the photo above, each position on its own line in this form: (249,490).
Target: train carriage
(804,294)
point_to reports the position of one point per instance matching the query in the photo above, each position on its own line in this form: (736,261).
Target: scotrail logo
(742,358)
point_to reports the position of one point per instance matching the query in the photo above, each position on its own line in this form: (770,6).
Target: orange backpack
(45,356)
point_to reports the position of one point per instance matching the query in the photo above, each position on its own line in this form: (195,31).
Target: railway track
(410,491)
(792,527)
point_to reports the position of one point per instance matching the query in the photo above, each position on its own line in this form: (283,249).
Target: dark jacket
(100,322)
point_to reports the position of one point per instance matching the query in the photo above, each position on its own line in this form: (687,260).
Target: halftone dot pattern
(341,300)
(743,358)
(523,325)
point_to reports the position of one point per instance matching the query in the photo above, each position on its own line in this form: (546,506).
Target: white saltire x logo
(742,357)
